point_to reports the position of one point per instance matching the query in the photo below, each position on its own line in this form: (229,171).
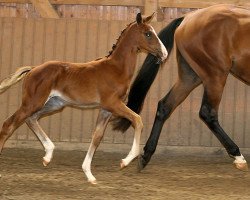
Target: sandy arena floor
(23,177)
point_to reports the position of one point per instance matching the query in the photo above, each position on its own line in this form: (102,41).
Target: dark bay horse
(102,83)
(211,43)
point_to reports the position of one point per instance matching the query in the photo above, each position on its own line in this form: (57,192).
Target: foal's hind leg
(101,125)
(52,105)
(12,123)
(44,139)
(209,114)
(188,80)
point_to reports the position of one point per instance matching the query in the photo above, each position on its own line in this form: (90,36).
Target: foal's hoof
(45,162)
(122,164)
(93,182)
(241,166)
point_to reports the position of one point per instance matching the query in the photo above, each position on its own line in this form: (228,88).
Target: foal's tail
(14,78)
(146,76)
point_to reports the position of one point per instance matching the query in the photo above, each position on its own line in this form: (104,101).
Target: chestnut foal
(102,83)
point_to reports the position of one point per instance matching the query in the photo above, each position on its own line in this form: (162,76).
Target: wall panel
(33,41)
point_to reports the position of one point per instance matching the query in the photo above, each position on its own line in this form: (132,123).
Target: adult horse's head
(148,39)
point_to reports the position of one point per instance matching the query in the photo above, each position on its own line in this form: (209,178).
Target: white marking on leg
(49,149)
(239,159)
(135,150)
(86,166)
(240,163)
(44,139)
(101,125)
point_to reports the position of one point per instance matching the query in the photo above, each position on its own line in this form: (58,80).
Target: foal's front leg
(122,110)
(97,136)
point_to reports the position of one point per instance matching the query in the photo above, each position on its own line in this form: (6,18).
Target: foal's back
(77,83)
(67,79)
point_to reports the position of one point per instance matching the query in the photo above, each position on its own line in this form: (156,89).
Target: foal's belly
(72,102)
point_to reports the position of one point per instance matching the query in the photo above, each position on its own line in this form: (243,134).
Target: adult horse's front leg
(209,114)
(97,136)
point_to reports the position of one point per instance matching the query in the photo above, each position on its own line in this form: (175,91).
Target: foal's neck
(125,54)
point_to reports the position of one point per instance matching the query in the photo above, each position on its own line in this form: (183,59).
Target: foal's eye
(148,34)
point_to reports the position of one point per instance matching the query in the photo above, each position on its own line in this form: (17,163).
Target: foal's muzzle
(159,61)
(161,56)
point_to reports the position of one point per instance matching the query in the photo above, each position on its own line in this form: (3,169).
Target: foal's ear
(139,18)
(149,18)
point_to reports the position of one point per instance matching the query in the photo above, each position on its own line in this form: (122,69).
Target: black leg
(188,80)
(209,114)
(163,113)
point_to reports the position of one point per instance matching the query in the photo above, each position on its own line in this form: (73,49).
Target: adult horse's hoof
(141,163)
(241,166)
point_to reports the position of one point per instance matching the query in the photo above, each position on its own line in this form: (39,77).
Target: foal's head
(147,38)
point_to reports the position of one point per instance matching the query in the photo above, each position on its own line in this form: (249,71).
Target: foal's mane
(119,38)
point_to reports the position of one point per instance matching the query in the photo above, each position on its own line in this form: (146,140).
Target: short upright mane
(118,39)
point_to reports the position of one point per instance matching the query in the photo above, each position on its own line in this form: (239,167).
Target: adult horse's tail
(14,78)
(146,76)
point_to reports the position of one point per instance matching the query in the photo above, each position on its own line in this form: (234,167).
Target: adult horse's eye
(148,34)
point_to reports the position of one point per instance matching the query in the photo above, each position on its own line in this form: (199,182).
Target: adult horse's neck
(125,53)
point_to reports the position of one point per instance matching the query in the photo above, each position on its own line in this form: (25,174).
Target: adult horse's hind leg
(97,136)
(209,114)
(12,123)
(188,80)
(52,105)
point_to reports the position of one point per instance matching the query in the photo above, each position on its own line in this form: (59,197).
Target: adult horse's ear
(149,18)
(139,18)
